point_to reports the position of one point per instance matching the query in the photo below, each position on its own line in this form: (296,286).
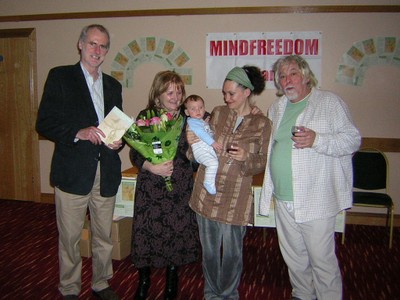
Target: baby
(204,150)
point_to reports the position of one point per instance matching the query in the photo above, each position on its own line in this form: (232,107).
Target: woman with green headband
(223,217)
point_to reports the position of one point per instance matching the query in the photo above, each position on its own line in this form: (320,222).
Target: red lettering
(252,46)
(233,48)
(298,47)
(243,47)
(261,48)
(287,47)
(312,47)
(264,47)
(215,48)
(225,47)
(268,75)
(278,46)
(270,47)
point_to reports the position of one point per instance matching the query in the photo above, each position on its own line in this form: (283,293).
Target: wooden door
(19,144)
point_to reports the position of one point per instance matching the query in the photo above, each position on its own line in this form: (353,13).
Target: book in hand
(114,125)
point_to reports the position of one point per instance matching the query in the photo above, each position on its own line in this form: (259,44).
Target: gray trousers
(222,246)
(309,251)
(71,211)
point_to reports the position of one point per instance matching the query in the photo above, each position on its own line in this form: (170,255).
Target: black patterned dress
(164,227)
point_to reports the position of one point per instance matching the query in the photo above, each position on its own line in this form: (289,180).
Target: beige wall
(375,105)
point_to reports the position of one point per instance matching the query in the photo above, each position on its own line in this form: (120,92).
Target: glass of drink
(230,149)
(296,129)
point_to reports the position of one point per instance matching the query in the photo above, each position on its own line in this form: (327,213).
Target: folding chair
(371,172)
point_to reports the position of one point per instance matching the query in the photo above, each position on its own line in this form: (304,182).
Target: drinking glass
(296,129)
(230,149)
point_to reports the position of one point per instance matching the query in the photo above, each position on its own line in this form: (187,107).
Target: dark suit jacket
(65,108)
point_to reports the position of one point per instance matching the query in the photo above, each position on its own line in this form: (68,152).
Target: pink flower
(170,116)
(155,121)
(141,122)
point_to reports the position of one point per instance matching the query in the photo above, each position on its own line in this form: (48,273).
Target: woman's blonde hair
(161,82)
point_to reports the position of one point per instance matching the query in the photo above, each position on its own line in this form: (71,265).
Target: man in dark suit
(84,171)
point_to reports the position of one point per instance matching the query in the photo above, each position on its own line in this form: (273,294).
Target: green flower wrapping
(156,138)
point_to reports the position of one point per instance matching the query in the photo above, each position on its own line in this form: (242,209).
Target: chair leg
(388,214)
(391,228)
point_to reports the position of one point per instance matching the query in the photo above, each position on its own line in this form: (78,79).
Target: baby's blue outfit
(204,153)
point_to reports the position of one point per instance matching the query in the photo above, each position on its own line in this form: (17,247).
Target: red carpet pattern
(29,263)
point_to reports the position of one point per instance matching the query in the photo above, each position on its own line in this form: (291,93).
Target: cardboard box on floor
(121,236)
(125,198)
(86,248)
(86,233)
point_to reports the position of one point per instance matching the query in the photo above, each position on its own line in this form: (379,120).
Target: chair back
(370,169)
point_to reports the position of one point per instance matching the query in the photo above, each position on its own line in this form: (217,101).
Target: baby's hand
(217,147)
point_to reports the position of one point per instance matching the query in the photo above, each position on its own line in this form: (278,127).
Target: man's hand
(304,139)
(91,134)
(115,145)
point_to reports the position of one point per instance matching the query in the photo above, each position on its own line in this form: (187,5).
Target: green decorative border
(366,53)
(150,49)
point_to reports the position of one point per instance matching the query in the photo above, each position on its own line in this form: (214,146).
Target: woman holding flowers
(222,218)
(164,227)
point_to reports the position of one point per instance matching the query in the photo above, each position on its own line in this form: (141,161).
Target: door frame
(30,34)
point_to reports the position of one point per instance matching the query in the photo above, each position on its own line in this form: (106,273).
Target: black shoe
(144,283)
(70,297)
(171,285)
(106,294)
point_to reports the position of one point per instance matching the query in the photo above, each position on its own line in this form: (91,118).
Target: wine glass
(229,149)
(296,129)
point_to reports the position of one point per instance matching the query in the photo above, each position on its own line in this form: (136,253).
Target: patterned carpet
(29,264)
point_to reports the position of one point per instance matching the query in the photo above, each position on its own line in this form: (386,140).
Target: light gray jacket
(322,175)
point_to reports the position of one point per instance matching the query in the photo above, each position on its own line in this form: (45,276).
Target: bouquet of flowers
(156,137)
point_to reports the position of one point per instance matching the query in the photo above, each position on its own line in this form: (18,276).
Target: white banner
(227,50)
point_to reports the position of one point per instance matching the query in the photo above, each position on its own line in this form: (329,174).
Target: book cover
(114,125)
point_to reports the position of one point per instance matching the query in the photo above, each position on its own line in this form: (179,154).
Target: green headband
(239,75)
